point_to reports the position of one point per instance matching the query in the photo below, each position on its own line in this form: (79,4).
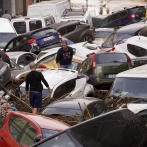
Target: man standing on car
(34,79)
(64,56)
(6,15)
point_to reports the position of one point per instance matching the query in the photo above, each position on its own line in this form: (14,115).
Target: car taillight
(31,41)
(94,62)
(59,34)
(88,55)
(130,60)
(42,66)
(113,48)
(134,15)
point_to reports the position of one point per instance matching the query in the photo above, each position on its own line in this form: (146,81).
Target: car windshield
(47,133)
(64,111)
(59,141)
(111,58)
(43,32)
(114,38)
(131,87)
(5,38)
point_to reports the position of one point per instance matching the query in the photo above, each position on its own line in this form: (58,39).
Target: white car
(131,83)
(55,8)
(82,15)
(133,47)
(7,32)
(81,49)
(65,83)
(30,23)
(22,58)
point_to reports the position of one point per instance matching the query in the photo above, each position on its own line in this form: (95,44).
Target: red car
(19,128)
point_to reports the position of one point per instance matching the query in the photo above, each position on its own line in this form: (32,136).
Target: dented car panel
(119,128)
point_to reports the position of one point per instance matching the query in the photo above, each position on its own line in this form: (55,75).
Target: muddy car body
(70,29)
(51,63)
(133,47)
(64,82)
(114,129)
(131,83)
(123,17)
(123,33)
(139,61)
(34,41)
(22,58)
(70,107)
(102,68)
(20,128)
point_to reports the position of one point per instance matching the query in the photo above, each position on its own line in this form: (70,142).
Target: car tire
(87,38)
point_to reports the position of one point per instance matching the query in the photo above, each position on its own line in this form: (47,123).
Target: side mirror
(37,138)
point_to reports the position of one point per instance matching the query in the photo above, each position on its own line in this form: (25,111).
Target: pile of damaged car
(73,73)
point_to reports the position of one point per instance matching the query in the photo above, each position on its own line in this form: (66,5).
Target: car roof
(48,3)
(55,76)
(72,103)
(6,26)
(138,72)
(16,54)
(64,23)
(30,17)
(43,122)
(131,29)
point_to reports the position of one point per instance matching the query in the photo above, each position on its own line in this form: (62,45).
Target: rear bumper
(98,81)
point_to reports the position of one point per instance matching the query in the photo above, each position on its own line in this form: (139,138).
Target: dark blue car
(34,41)
(123,17)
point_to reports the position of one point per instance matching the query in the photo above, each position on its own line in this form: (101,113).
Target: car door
(20,43)
(19,132)
(71,32)
(2,121)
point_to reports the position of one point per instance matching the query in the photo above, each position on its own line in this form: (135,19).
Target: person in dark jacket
(64,56)
(33,79)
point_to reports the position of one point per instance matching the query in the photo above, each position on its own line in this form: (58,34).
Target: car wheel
(87,38)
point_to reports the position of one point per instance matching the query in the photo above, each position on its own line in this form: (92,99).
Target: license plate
(48,38)
(142,17)
(112,76)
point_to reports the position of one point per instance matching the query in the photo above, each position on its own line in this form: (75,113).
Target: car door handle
(1,138)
